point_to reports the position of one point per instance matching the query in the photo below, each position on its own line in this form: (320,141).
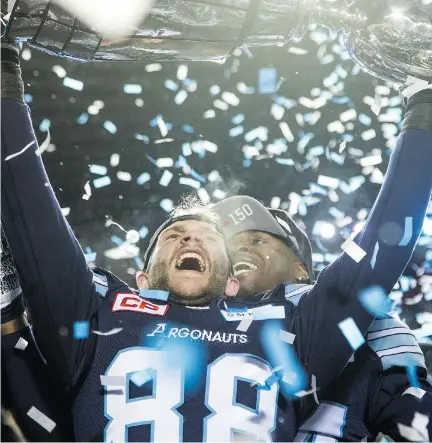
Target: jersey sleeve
(401,403)
(388,241)
(54,276)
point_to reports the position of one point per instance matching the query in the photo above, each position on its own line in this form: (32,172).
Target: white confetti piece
(418,430)
(286,336)
(114,160)
(331,182)
(164,162)
(190,182)
(417,392)
(371,160)
(21,344)
(182,72)
(59,71)
(40,418)
(180,97)
(124,176)
(65,211)
(153,67)
(110,127)
(352,333)
(166,178)
(244,324)
(45,144)
(353,250)
(87,190)
(10,157)
(368,135)
(111,332)
(230,98)
(112,380)
(72,83)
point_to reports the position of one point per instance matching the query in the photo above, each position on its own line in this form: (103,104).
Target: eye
(258,241)
(171,236)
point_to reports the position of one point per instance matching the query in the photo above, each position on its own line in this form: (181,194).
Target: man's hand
(413,86)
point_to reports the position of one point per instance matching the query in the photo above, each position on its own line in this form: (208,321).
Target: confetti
(166,178)
(87,190)
(112,380)
(375,300)
(110,127)
(21,344)
(244,324)
(418,430)
(132,89)
(267,81)
(40,418)
(408,232)
(154,294)
(141,377)
(286,336)
(80,330)
(352,333)
(100,182)
(78,85)
(417,392)
(353,250)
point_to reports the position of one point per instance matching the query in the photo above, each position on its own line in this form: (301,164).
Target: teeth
(242,267)
(191,255)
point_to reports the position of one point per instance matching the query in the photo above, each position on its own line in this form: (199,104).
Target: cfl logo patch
(126,301)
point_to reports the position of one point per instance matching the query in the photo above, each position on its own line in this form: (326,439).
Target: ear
(232,287)
(142,280)
(301,273)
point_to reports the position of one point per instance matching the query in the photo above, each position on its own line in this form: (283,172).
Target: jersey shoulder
(393,342)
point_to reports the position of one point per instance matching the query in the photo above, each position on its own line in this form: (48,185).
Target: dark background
(73,146)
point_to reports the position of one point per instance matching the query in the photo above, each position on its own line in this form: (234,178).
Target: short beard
(158,276)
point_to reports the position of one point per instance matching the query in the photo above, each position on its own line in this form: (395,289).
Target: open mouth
(243,267)
(190,261)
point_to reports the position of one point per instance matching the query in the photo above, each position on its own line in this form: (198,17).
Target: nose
(191,238)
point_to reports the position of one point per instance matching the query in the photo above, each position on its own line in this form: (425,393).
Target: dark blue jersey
(374,392)
(176,373)
(27,381)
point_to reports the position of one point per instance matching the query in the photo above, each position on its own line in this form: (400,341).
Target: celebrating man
(384,388)
(174,361)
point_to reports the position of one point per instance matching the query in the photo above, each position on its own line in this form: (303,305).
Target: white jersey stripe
(399,350)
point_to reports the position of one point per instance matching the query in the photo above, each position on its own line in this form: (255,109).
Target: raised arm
(53,272)
(395,221)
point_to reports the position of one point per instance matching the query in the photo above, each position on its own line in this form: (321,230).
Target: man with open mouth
(384,388)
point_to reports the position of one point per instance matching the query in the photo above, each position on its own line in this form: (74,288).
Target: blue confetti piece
(143,231)
(364,119)
(139,262)
(237,130)
(154,122)
(267,81)
(375,300)
(152,160)
(246,163)
(143,138)
(102,181)
(171,85)
(411,370)
(196,176)
(28,98)
(282,355)
(72,83)
(237,119)
(132,89)
(189,129)
(45,125)
(143,178)
(374,256)
(98,169)
(340,100)
(117,240)
(269,382)
(90,257)
(81,330)
(141,377)
(110,127)
(82,119)
(408,232)
(352,333)
(237,309)
(154,294)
